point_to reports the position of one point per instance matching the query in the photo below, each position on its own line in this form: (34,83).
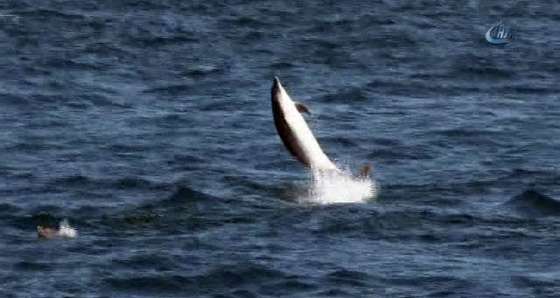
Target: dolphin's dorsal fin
(302,108)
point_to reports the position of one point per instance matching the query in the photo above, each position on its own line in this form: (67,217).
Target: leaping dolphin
(294,132)
(330,183)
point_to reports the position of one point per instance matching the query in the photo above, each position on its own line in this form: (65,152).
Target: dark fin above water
(302,108)
(534,204)
(365,169)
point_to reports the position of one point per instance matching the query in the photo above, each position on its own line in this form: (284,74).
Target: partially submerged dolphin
(296,135)
(64,230)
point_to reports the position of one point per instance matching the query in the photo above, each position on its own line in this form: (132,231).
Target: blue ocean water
(148,125)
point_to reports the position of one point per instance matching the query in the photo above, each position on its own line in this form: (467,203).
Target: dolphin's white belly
(304,137)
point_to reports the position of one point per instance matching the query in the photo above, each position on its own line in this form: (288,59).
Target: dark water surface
(148,125)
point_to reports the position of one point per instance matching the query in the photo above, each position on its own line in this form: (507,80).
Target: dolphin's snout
(276,88)
(276,85)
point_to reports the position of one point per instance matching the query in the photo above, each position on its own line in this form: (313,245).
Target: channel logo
(499,34)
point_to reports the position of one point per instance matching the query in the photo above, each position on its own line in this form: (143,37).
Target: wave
(240,279)
(83,182)
(346,95)
(155,284)
(185,194)
(51,13)
(354,278)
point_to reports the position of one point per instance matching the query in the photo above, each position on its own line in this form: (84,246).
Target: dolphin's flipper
(302,108)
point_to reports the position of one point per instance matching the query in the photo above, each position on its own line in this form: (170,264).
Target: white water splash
(65,230)
(332,187)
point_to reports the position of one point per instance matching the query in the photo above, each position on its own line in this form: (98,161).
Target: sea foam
(332,187)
